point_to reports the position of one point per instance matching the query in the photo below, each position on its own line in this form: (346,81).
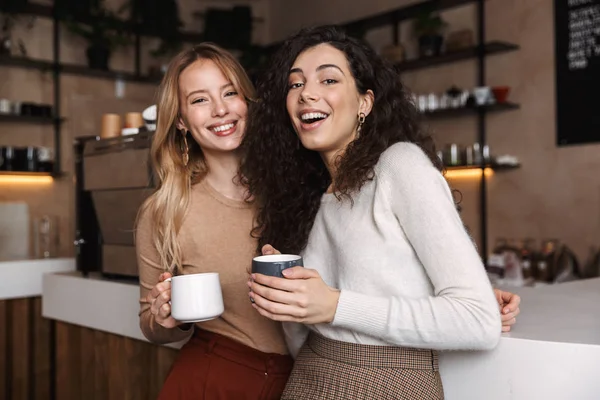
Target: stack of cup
(111,126)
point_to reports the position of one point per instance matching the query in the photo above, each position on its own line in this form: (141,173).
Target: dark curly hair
(286,179)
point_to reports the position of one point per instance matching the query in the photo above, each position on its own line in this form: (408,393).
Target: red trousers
(213,367)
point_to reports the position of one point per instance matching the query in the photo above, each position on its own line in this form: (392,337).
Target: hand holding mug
(281,289)
(159,298)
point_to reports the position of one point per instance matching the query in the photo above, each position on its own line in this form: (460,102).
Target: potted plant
(104,32)
(159,18)
(74,9)
(428,29)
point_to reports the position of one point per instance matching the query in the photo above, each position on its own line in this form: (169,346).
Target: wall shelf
(23,173)
(27,119)
(401,14)
(74,69)
(28,63)
(490,48)
(41,10)
(494,167)
(463,111)
(84,70)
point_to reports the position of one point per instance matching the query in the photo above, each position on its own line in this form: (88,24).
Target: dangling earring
(361,121)
(186,151)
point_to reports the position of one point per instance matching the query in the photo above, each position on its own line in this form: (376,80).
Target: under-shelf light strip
(25,179)
(468,173)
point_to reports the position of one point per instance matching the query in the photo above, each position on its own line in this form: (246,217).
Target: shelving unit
(57,68)
(29,119)
(478,53)
(20,173)
(465,111)
(495,167)
(455,56)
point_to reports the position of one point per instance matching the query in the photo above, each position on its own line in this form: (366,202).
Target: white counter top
(553,352)
(564,313)
(94,302)
(23,278)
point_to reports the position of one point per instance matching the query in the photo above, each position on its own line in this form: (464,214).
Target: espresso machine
(113,179)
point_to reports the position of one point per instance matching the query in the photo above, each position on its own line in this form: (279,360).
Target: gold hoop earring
(361,121)
(186,150)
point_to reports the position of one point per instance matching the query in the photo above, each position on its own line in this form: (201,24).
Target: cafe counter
(552,353)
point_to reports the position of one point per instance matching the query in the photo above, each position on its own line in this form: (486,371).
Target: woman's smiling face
(323,102)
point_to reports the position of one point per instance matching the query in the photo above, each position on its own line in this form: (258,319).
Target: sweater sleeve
(462,313)
(149,271)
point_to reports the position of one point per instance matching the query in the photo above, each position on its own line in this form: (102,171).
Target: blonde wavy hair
(168,205)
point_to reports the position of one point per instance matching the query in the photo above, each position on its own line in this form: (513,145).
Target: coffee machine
(113,179)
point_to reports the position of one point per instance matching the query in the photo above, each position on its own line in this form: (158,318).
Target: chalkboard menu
(577,28)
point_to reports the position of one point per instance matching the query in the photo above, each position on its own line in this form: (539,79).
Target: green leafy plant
(159,18)
(429,24)
(103,28)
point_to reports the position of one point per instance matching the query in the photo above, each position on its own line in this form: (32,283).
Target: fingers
(164,276)
(507,317)
(506,328)
(158,302)
(159,288)
(277,311)
(164,312)
(272,294)
(511,301)
(288,285)
(267,249)
(516,312)
(300,273)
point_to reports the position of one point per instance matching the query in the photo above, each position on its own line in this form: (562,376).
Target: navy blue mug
(273,264)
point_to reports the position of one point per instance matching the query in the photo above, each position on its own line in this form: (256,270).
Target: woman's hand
(159,298)
(509,308)
(302,296)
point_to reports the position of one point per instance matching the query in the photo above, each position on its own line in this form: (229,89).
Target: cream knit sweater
(408,271)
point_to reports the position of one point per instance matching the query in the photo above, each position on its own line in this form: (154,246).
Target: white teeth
(313,115)
(222,128)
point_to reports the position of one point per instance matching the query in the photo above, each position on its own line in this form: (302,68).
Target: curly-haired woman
(343,174)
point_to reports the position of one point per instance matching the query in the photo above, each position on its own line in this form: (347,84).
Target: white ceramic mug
(483,95)
(196,297)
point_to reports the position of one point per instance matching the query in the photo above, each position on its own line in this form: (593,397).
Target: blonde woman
(197,221)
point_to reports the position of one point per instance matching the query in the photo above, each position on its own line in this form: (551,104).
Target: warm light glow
(25,180)
(468,173)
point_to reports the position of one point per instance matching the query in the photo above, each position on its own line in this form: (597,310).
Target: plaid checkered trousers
(328,369)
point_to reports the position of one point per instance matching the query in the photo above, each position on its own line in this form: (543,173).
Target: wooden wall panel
(108,366)
(101,365)
(69,379)
(42,348)
(3,350)
(89,364)
(20,348)
(25,346)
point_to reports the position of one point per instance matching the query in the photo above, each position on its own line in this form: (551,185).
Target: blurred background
(509,89)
